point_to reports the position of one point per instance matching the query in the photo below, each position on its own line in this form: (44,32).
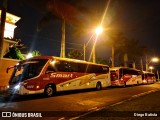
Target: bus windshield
(27,70)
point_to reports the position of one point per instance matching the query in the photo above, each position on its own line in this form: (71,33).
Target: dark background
(137,19)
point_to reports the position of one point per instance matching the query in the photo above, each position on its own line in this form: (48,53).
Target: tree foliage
(14,53)
(74,54)
(102,61)
(125,47)
(36,53)
(69,10)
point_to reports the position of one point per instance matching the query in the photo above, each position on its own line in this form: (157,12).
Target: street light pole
(146,63)
(112,55)
(152,60)
(98,31)
(157,75)
(84,52)
(94,53)
(63,39)
(151,68)
(141,63)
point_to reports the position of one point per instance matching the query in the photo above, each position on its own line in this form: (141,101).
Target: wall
(4,77)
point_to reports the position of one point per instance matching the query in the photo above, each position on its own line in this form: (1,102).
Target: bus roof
(64,59)
(117,68)
(145,72)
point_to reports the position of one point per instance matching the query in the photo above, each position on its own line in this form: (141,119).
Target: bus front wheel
(48,92)
(98,86)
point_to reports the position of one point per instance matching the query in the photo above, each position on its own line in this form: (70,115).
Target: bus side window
(50,69)
(96,69)
(102,69)
(89,69)
(63,66)
(82,67)
(74,67)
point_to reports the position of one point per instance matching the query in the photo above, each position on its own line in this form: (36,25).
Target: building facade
(10,26)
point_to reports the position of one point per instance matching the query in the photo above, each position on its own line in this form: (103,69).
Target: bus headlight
(17,87)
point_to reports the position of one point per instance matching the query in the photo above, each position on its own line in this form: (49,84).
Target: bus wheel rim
(98,86)
(49,91)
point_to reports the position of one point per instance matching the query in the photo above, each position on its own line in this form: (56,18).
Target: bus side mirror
(7,70)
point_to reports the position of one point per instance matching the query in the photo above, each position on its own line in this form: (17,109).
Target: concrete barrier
(4,77)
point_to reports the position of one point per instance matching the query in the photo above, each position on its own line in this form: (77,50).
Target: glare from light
(87,83)
(29,55)
(17,87)
(37,86)
(144,81)
(155,59)
(53,62)
(17,64)
(151,67)
(99,30)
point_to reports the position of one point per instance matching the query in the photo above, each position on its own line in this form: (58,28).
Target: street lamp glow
(29,55)
(99,30)
(151,67)
(155,59)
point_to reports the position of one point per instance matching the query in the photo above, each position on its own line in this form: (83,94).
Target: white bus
(48,74)
(122,76)
(148,77)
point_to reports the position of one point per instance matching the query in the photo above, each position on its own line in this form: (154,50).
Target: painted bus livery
(48,74)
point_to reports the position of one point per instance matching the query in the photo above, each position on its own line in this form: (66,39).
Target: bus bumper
(13,89)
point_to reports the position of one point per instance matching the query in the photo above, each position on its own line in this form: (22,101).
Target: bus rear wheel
(48,92)
(98,86)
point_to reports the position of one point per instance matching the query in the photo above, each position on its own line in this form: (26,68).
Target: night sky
(137,19)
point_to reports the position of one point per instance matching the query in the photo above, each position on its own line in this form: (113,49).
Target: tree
(74,54)
(102,61)
(66,11)
(115,39)
(131,50)
(15,50)
(14,53)
(36,53)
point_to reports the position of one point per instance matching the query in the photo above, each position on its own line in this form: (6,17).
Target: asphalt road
(145,106)
(88,104)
